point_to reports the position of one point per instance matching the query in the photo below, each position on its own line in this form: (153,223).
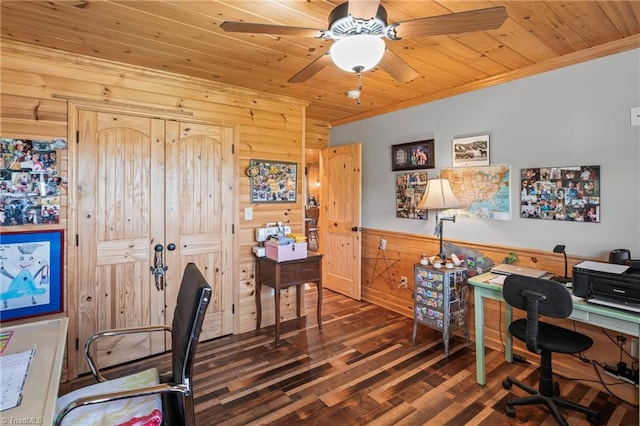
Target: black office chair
(146,396)
(541,297)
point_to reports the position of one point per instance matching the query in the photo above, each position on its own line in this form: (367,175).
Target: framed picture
(561,193)
(31,273)
(29,182)
(273,181)
(409,190)
(413,156)
(471,151)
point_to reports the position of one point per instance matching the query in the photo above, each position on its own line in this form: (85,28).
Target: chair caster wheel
(510,411)
(506,384)
(594,420)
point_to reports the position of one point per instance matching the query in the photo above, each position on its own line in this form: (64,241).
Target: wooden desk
(588,313)
(279,275)
(40,392)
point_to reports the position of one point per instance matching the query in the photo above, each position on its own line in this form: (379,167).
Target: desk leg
(479,319)
(319,308)
(508,349)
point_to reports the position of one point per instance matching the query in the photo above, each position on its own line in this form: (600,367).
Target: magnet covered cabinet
(440,300)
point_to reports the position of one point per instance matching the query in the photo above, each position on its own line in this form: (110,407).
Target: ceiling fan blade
(247,27)
(310,70)
(363,9)
(453,23)
(397,68)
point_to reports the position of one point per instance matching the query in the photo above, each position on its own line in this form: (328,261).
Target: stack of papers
(498,279)
(14,369)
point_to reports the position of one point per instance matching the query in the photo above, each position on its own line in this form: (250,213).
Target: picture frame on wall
(410,188)
(413,156)
(273,181)
(29,182)
(471,151)
(567,193)
(31,278)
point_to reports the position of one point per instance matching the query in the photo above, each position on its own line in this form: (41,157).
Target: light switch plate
(248,213)
(635,116)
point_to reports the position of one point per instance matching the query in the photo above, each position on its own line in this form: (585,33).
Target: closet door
(121,217)
(199,216)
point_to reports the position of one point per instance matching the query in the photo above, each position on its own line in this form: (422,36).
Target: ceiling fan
(357,28)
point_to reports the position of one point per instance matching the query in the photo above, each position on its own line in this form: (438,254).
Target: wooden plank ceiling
(185,37)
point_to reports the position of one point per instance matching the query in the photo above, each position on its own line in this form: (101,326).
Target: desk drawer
(300,272)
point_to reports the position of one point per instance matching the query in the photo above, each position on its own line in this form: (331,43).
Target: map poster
(561,193)
(483,191)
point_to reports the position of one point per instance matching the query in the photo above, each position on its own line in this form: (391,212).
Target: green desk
(599,316)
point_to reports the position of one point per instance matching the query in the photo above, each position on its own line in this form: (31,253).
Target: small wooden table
(40,392)
(279,275)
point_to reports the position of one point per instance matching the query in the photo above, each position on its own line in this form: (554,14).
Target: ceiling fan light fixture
(357,53)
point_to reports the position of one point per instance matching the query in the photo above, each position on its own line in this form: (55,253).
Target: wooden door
(120,204)
(199,216)
(340,220)
(142,182)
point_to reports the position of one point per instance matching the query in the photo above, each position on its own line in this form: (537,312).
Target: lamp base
(440,223)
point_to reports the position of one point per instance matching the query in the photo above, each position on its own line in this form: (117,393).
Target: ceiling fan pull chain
(359,76)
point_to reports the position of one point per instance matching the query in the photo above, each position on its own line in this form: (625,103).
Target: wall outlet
(383,244)
(404,281)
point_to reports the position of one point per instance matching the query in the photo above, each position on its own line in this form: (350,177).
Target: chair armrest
(115,332)
(114,396)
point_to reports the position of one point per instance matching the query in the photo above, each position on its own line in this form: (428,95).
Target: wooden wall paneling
(20,107)
(31,130)
(404,250)
(267,146)
(272,126)
(128,85)
(317,134)
(313,181)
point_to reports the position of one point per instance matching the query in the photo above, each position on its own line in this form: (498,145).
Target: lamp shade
(438,195)
(359,52)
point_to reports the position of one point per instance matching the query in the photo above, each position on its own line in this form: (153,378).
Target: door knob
(158,268)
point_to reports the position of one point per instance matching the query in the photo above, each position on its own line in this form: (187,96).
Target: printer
(617,286)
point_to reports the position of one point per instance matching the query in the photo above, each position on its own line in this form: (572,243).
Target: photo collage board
(273,181)
(409,190)
(29,182)
(561,193)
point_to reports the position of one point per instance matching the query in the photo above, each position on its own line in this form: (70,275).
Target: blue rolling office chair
(541,297)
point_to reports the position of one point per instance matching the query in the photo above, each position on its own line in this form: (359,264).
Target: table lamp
(438,195)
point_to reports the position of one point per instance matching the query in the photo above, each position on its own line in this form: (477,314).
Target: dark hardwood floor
(362,368)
